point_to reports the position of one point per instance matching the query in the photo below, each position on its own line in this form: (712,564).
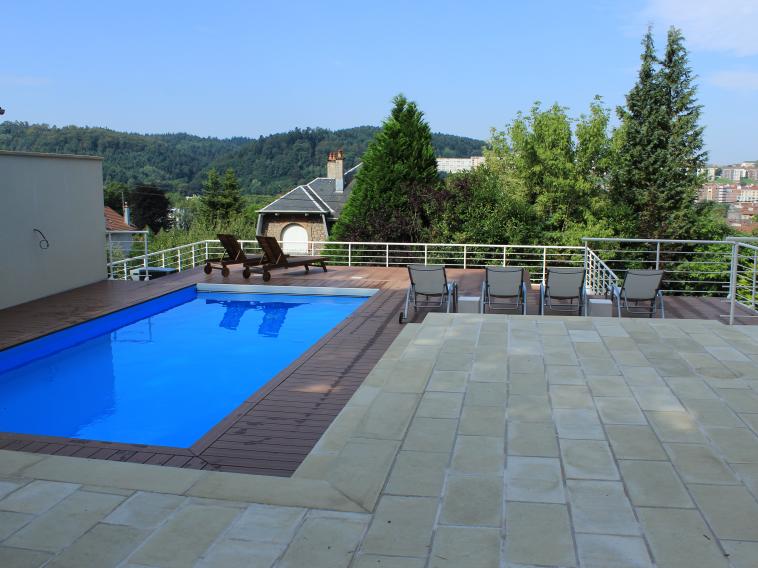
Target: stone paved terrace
(476,441)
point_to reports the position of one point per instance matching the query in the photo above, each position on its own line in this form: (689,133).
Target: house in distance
(308,212)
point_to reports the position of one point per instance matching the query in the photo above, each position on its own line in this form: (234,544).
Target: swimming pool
(163,372)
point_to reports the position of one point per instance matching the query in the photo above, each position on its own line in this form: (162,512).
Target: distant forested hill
(266,165)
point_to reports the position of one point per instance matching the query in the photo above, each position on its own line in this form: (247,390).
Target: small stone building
(308,212)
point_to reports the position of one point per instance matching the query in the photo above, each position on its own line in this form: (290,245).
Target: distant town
(735,185)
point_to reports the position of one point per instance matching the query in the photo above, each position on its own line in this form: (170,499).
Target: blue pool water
(163,372)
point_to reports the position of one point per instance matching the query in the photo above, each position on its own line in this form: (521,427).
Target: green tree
(114,195)
(394,186)
(221,199)
(661,145)
(559,173)
(150,208)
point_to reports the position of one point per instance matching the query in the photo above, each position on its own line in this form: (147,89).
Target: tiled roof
(319,196)
(115,222)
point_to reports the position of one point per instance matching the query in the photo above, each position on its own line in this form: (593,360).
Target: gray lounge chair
(565,284)
(503,283)
(429,281)
(640,286)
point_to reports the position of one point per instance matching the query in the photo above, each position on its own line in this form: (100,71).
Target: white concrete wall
(63,197)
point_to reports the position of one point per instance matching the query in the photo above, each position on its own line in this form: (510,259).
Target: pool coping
(190,457)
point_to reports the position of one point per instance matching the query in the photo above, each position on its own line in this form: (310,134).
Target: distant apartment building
(737,172)
(709,172)
(453,165)
(720,193)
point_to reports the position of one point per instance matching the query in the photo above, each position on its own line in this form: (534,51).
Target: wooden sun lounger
(275,258)
(234,255)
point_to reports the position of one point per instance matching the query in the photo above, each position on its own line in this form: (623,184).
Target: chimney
(335,169)
(126,213)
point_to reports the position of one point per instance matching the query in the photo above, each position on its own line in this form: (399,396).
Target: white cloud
(735,80)
(710,25)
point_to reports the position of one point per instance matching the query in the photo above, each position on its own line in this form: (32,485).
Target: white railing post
(193,255)
(505,254)
(179,258)
(752,291)
(544,263)
(206,251)
(586,268)
(387,255)
(733,282)
(426,254)
(657,255)
(163,260)
(350,254)
(465,252)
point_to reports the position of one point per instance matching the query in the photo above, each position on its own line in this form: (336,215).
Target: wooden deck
(274,429)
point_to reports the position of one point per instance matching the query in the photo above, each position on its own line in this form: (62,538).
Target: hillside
(266,165)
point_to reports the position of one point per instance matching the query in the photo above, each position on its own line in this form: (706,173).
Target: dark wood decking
(273,430)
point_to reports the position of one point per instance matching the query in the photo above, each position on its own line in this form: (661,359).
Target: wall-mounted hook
(44,244)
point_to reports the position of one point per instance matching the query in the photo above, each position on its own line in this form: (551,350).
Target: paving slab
(485,394)
(538,533)
(478,455)
(698,464)
(472,501)
(678,427)
(325,542)
(267,524)
(229,553)
(145,510)
(588,459)
(104,545)
(601,507)
(619,410)
(419,474)
(529,408)
(402,526)
(532,439)
(635,442)
(534,479)
(37,497)
(477,420)
(737,445)
(440,405)
(731,511)
(378,561)
(21,558)
(65,522)
(653,484)
(679,538)
(473,547)
(604,551)
(361,468)
(448,381)
(580,424)
(10,522)
(431,435)
(185,536)
(741,554)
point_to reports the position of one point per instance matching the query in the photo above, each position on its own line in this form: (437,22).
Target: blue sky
(250,68)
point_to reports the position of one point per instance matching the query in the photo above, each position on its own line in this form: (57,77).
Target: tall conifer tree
(388,202)
(661,145)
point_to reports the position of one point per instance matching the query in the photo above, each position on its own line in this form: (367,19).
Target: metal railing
(599,278)
(715,268)
(707,268)
(535,258)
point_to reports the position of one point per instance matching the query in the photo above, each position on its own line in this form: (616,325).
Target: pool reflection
(274,314)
